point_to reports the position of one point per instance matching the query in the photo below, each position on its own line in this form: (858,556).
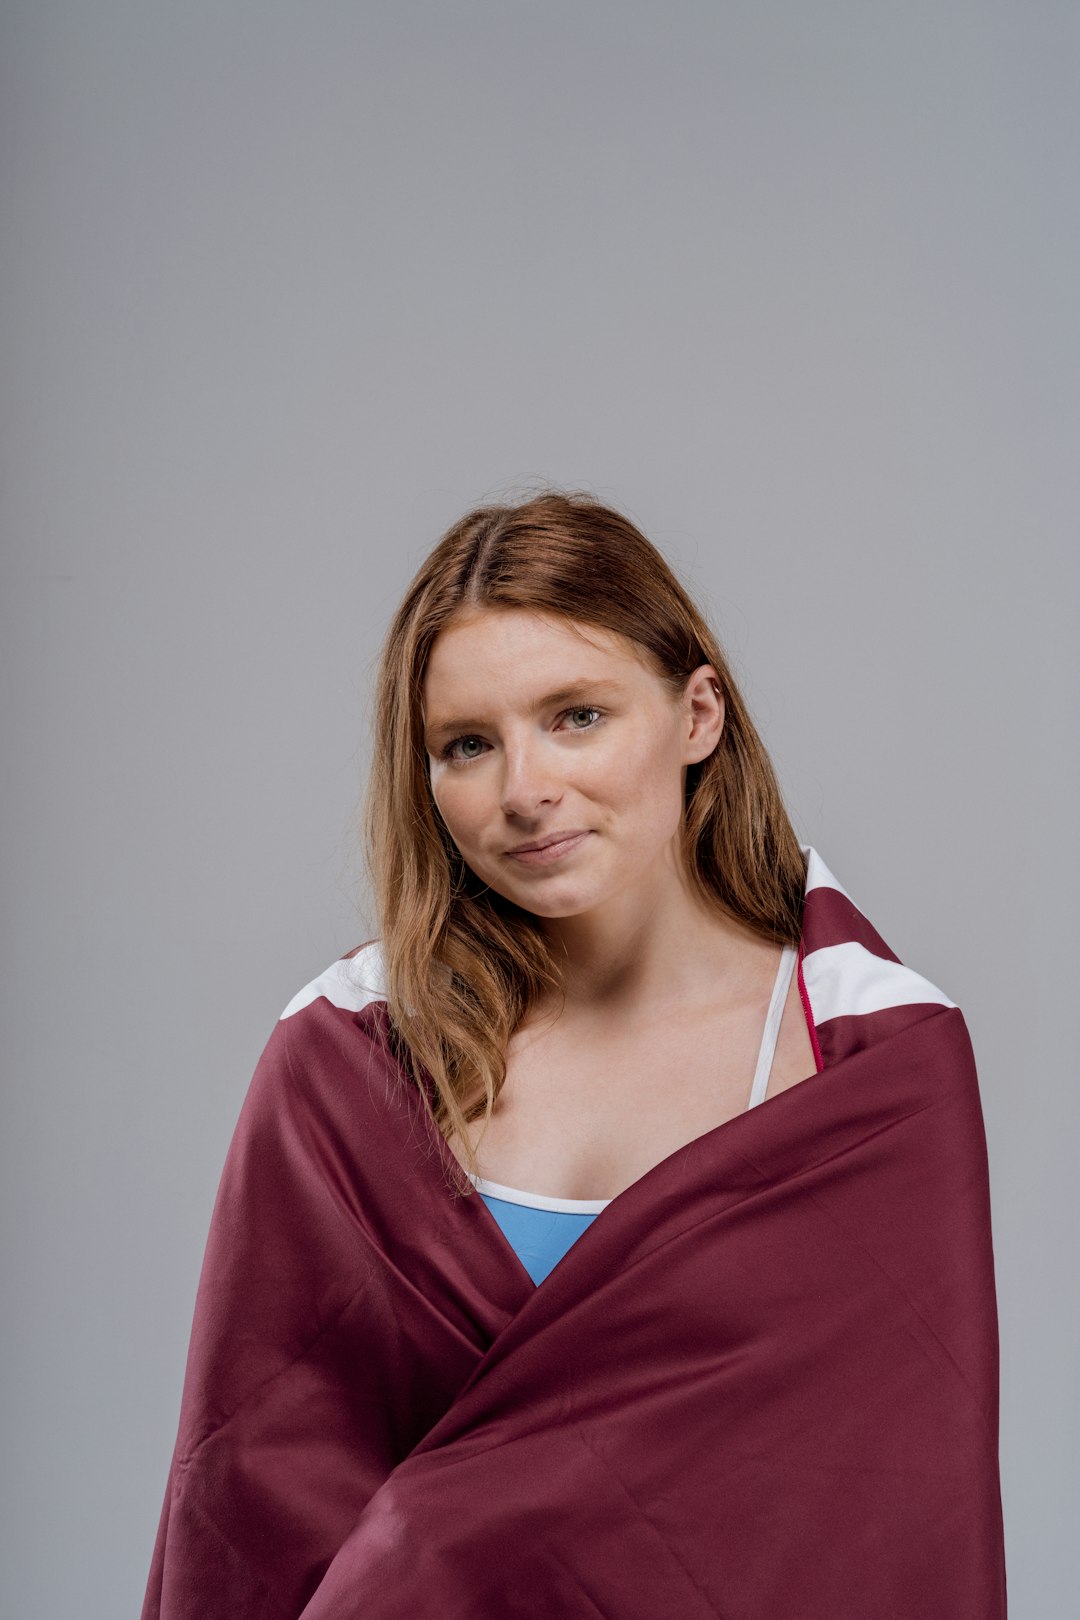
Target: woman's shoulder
(848,969)
(350,982)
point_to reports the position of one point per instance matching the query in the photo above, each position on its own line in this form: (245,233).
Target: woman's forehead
(521,638)
(516,657)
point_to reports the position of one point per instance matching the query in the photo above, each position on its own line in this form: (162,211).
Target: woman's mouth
(551,852)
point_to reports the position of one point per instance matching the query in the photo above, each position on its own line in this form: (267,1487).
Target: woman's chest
(581,1117)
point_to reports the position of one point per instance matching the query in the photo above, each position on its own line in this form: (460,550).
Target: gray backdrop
(287,287)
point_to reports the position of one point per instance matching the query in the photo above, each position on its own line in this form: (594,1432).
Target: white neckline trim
(562,1206)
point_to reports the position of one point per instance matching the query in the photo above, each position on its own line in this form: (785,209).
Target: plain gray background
(287,288)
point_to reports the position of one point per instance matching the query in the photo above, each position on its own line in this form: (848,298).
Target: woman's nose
(527,782)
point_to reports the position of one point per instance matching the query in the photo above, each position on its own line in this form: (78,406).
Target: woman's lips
(550,852)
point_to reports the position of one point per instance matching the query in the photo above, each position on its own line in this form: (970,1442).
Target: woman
(718,1336)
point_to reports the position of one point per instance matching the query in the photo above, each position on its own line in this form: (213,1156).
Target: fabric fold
(764,1381)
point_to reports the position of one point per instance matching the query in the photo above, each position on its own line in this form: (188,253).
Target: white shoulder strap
(773,1017)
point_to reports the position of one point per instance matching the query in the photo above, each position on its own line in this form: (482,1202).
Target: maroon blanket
(762,1385)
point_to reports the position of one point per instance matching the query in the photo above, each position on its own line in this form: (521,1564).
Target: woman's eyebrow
(577,688)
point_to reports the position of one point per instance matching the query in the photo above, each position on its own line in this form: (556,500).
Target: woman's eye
(586,711)
(462,742)
(465,749)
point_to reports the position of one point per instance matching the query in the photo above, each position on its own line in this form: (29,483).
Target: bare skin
(665,996)
(587,1109)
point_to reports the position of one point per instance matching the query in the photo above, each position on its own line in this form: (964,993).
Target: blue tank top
(540,1229)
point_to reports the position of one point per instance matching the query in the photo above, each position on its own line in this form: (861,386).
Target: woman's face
(537,728)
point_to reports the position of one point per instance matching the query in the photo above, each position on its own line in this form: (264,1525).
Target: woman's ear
(705,711)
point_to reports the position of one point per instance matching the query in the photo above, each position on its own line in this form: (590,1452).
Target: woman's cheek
(636,772)
(461,806)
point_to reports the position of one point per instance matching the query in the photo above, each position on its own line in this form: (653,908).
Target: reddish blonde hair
(463,964)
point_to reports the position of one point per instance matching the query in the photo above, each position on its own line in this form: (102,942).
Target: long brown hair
(463,964)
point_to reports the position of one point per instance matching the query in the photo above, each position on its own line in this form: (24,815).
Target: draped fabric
(763,1384)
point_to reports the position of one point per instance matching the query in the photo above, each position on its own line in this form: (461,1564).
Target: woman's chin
(554,901)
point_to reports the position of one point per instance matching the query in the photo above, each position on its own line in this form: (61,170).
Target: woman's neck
(648,950)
